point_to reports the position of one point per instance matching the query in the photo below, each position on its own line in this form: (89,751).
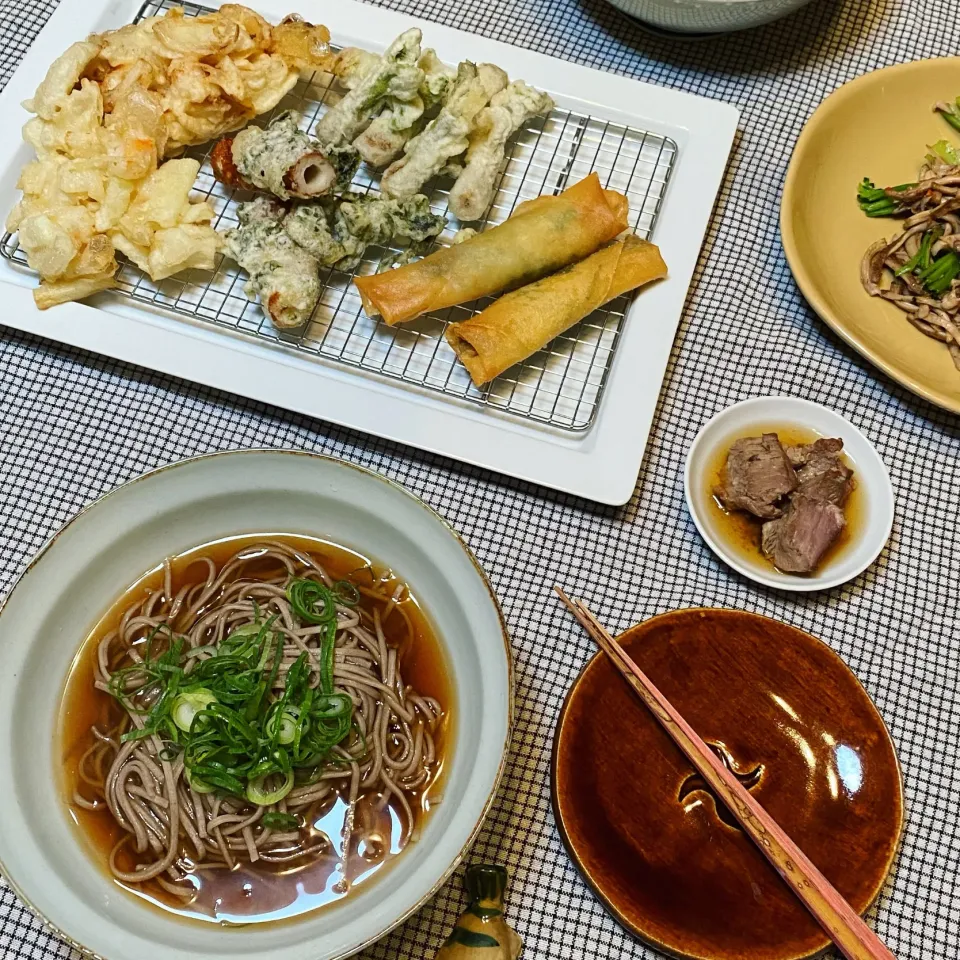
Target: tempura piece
(162,232)
(523,322)
(282,274)
(389,132)
(309,226)
(352,64)
(437,78)
(160,202)
(340,237)
(63,291)
(93,173)
(305,45)
(446,135)
(62,78)
(108,112)
(383,141)
(542,236)
(212,73)
(508,111)
(463,235)
(493,78)
(395,76)
(280,159)
(378,219)
(224,168)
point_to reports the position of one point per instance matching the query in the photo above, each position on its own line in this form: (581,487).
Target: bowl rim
(561,823)
(791,249)
(478,568)
(797,585)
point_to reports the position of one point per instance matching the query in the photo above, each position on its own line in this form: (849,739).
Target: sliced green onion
(328,658)
(346,593)
(201,786)
(304,597)
(242,633)
(216,775)
(187,705)
(264,791)
(333,705)
(206,648)
(137,734)
(274,820)
(287,719)
(232,723)
(256,705)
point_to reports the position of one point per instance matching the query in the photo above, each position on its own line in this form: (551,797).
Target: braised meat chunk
(821,472)
(802,453)
(797,541)
(797,493)
(756,476)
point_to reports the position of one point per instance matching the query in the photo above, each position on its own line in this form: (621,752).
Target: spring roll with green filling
(523,322)
(542,236)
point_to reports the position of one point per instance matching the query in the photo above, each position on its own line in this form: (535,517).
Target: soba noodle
(173,822)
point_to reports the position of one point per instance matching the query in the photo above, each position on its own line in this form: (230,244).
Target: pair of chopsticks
(841,922)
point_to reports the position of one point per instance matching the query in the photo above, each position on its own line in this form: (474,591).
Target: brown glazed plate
(792,722)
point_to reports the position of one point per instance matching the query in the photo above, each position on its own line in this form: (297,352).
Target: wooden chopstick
(847,930)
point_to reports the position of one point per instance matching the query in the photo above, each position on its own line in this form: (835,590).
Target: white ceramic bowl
(99,553)
(770,412)
(707,16)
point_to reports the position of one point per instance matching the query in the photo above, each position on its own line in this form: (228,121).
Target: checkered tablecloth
(73,425)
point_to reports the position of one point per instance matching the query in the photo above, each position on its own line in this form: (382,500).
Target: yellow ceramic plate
(876,126)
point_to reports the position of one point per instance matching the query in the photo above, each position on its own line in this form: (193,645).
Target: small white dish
(95,558)
(753,416)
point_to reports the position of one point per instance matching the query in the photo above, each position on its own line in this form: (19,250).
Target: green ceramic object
(482,933)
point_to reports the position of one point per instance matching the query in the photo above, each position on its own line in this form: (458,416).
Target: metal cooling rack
(560,386)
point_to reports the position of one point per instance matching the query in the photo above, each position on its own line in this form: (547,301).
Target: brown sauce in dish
(741,530)
(258,892)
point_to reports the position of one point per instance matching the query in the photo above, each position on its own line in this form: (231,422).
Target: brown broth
(742,530)
(259,892)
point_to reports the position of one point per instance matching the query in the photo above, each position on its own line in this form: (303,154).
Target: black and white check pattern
(73,425)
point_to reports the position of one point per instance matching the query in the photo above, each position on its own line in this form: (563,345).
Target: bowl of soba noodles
(257,704)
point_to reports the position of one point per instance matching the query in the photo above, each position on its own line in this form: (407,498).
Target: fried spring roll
(521,323)
(542,236)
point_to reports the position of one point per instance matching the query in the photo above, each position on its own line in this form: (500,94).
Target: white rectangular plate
(599,462)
